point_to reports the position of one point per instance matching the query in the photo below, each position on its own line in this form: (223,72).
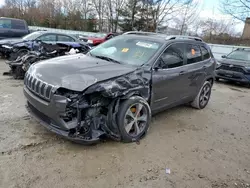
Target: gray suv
(114,89)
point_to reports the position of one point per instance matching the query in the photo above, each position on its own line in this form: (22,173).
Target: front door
(170,79)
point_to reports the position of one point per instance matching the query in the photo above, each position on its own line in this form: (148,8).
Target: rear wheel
(133,119)
(217,79)
(203,96)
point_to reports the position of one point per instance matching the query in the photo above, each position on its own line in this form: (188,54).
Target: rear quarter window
(205,53)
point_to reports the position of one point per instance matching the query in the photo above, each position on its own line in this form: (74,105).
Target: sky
(210,9)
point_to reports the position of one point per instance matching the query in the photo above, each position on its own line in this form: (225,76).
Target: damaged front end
(91,115)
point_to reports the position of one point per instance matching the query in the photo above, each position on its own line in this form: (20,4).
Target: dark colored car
(20,46)
(12,28)
(43,51)
(235,66)
(113,90)
(97,38)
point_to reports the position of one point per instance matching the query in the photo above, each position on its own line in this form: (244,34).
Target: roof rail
(171,37)
(139,33)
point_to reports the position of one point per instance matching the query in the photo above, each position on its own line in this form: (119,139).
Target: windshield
(32,36)
(239,55)
(127,50)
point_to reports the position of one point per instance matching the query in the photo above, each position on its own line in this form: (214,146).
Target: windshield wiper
(106,58)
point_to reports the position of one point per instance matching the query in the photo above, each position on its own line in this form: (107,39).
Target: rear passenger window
(193,54)
(17,24)
(205,53)
(49,37)
(64,38)
(172,57)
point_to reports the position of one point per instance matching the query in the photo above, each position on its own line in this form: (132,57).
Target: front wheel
(21,52)
(203,96)
(133,118)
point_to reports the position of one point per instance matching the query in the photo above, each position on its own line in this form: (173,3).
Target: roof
(11,18)
(161,37)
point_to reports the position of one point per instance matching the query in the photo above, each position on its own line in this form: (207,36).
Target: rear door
(169,78)
(197,65)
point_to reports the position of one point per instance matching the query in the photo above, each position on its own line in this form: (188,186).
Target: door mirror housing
(224,56)
(158,65)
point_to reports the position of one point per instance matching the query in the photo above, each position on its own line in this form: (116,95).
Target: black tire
(122,114)
(197,101)
(19,53)
(18,73)
(217,79)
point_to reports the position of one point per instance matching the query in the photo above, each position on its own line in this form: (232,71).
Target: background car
(235,66)
(17,47)
(13,28)
(97,38)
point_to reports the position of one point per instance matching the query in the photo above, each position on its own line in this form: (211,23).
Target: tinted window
(6,24)
(49,37)
(205,53)
(64,38)
(193,54)
(18,24)
(172,57)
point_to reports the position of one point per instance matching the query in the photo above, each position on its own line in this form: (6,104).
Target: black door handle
(182,72)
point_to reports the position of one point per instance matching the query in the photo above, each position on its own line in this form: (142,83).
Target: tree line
(127,15)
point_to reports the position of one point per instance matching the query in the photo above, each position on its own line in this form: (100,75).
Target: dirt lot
(207,148)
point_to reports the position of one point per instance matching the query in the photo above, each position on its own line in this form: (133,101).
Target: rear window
(18,24)
(6,24)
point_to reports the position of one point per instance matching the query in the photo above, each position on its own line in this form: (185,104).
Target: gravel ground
(207,148)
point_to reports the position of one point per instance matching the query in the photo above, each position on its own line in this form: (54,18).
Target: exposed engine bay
(93,112)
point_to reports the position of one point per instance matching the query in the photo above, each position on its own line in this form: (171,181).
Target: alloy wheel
(135,119)
(205,95)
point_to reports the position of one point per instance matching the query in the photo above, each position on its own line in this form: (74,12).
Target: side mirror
(156,68)
(158,65)
(223,56)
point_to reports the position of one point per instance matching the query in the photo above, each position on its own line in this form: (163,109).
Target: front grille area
(38,87)
(234,68)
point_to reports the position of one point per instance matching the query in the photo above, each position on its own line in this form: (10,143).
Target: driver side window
(172,57)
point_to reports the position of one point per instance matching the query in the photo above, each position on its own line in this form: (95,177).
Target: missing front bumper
(49,124)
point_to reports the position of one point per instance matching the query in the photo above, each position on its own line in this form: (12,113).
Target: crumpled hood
(77,72)
(11,41)
(234,62)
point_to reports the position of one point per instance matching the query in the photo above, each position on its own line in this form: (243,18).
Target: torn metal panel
(136,82)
